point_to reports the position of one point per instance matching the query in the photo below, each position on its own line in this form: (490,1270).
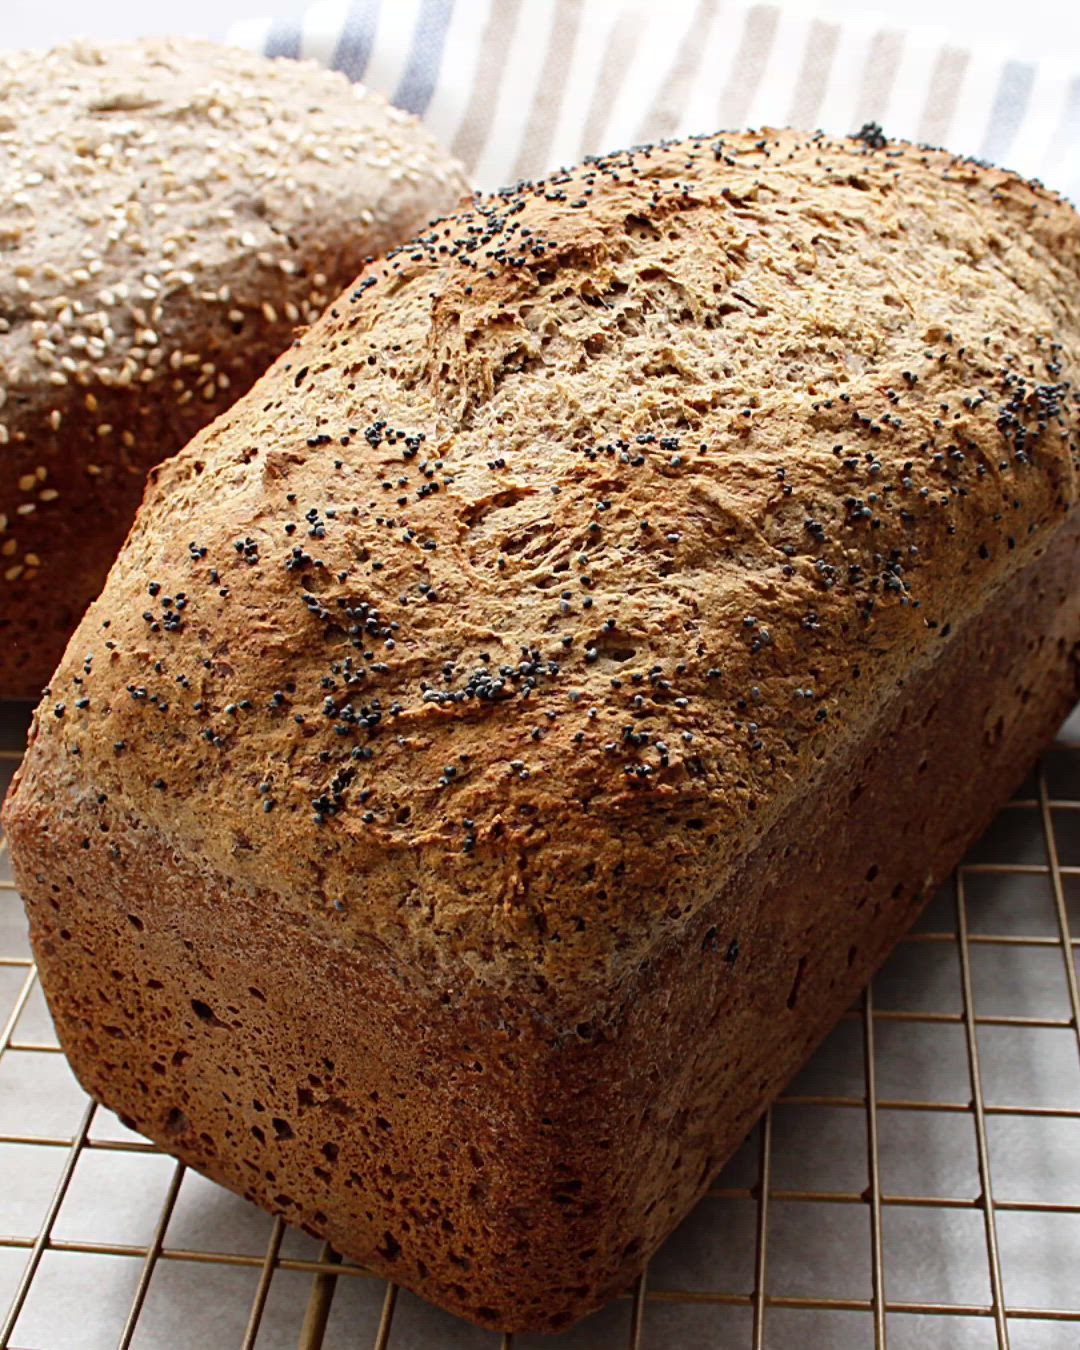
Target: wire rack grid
(917,1184)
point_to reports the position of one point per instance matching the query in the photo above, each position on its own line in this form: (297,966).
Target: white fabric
(519,87)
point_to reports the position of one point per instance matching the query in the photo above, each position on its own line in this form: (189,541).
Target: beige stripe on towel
(498,34)
(941,95)
(671,98)
(533,157)
(758,35)
(814,75)
(882,63)
(625,35)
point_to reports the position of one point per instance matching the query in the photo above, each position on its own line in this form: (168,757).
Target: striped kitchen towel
(518,87)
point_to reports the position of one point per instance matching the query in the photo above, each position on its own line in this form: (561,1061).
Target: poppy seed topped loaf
(169,212)
(513,734)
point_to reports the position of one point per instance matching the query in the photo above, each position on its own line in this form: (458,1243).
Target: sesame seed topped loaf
(513,734)
(170,211)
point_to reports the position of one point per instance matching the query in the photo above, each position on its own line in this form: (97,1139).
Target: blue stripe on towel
(357,39)
(425,60)
(283,39)
(1007,114)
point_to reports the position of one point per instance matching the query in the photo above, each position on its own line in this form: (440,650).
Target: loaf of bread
(513,734)
(170,211)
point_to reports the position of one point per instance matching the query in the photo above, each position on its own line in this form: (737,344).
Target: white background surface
(1031,28)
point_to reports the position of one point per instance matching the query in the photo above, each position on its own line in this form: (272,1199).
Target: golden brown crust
(170,211)
(447,1136)
(525,592)
(586,596)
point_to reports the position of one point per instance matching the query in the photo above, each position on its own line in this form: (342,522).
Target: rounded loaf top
(582,534)
(143,179)
(170,211)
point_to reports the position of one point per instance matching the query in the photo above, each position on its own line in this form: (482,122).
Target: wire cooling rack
(917,1185)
